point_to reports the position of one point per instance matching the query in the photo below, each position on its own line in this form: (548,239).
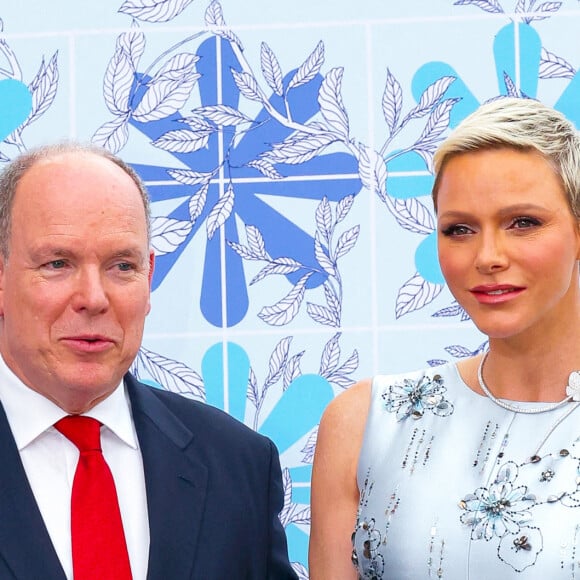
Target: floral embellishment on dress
(370,563)
(500,509)
(502,512)
(368,540)
(413,398)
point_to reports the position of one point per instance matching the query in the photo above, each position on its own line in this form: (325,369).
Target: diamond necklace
(515,408)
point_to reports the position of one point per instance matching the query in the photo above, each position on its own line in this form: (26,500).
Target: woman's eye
(525,222)
(456,230)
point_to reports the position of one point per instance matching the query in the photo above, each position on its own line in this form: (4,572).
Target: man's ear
(150,276)
(2,264)
(151,266)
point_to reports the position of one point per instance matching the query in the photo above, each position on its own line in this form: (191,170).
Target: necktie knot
(84,432)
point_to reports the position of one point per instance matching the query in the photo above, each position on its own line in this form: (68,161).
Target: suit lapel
(175,481)
(24,541)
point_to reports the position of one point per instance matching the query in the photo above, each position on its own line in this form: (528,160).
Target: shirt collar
(30,414)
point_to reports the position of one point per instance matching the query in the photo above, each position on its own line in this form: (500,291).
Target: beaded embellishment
(413,398)
(369,560)
(503,511)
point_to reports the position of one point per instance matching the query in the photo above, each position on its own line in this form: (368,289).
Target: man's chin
(82,387)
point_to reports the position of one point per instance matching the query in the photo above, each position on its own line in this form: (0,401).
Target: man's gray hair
(14,171)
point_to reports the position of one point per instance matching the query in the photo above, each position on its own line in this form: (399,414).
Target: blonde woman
(471,470)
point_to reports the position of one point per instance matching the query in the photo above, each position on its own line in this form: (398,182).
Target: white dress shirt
(50,461)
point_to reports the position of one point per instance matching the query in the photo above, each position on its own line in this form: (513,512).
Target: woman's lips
(496,294)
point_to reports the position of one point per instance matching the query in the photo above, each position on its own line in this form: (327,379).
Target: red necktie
(99,550)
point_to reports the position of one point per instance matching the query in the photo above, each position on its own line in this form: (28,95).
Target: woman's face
(508,242)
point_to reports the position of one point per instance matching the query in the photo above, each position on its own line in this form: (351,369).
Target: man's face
(74,291)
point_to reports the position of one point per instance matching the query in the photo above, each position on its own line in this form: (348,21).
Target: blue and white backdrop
(287,147)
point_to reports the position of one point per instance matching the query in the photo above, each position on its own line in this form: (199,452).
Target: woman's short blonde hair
(523,124)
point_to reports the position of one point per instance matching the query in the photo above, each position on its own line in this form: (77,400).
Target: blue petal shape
(212,291)
(433,71)
(568,101)
(405,186)
(237,370)
(297,544)
(298,410)
(15,105)
(426,260)
(303,474)
(517,52)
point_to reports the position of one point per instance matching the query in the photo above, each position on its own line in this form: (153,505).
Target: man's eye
(57,264)
(125,267)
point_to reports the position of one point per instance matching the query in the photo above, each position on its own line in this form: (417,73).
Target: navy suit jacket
(213,495)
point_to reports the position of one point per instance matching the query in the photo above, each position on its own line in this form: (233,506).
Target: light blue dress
(455,487)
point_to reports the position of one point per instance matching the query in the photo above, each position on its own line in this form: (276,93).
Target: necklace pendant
(535,459)
(573,388)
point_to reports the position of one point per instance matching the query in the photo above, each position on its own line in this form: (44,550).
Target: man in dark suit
(198,493)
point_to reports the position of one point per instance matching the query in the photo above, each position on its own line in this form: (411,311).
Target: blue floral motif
(224,163)
(414,397)
(502,512)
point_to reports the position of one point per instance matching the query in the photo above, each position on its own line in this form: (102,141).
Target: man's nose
(89,292)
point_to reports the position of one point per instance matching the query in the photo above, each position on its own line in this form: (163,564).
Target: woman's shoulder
(350,407)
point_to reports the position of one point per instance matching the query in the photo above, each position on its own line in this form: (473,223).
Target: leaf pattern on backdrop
(43,89)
